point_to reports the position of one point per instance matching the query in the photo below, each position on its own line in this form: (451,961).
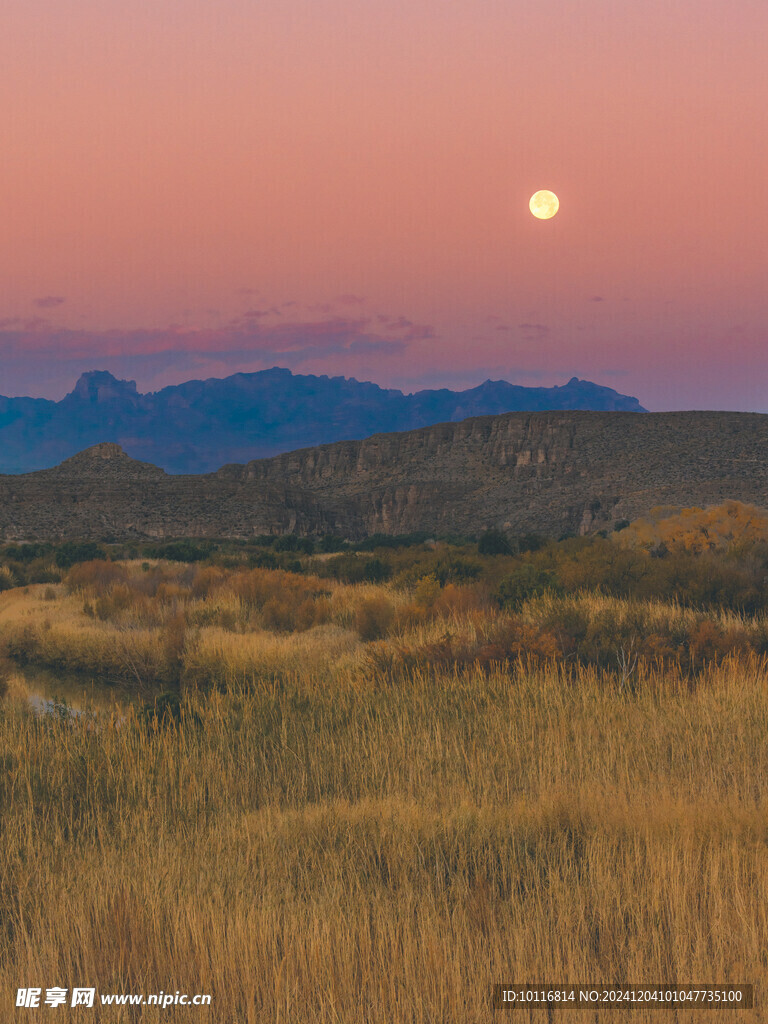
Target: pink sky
(190,189)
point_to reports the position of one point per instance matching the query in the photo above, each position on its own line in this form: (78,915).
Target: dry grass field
(370,803)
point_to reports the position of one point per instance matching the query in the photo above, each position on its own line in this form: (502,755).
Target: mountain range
(200,425)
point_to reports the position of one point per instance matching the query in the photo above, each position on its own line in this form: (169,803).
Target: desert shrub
(710,642)
(525,582)
(373,617)
(21,644)
(426,591)
(568,623)
(453,600)
(117,599)
(46,573)
(174,640)
(609,632)
(257,586)
(279,614)
(7,578)
(510,638)
(170,593)
(455,570)
(350,569)
(164,710)
(289,615)
(5,675)
(286,602)
(207,580)
(94,577)
(312,611)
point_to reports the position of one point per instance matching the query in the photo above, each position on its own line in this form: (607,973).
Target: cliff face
(550,472)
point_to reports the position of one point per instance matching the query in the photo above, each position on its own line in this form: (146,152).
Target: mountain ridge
(548,472)
(199,425)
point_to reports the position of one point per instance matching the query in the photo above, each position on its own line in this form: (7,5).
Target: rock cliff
(552,472)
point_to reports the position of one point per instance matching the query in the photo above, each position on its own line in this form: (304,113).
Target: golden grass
(324,842)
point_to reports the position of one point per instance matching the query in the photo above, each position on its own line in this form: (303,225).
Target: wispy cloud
(49,301)
(533,331)
(250,341)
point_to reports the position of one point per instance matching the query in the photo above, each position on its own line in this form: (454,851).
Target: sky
(191,189)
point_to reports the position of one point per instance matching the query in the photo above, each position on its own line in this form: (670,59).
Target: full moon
(544,204)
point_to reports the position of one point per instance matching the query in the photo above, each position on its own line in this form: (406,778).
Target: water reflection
(57,693)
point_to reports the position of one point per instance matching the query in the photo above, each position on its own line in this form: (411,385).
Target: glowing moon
(544,204)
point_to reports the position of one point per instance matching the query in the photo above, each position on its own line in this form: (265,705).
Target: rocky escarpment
(552,472)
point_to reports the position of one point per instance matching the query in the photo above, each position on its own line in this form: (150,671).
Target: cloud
(259,314)
(388,345)
(49,301)
(406,328)
(175,351)
(596,298)
(533,331)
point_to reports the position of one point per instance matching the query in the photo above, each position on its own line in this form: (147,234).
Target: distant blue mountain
(199,426)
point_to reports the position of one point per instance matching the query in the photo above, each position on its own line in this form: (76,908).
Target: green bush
(525,582)
(494,542)
(351,569)
(395,540)
(330,543)
(71,552)
(455,570)
(288,542)
(181,551)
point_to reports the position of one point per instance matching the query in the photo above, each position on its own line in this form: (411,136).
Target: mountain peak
(102,386)
(106,460)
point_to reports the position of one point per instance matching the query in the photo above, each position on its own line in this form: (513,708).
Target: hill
(200,425)
(552,472)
